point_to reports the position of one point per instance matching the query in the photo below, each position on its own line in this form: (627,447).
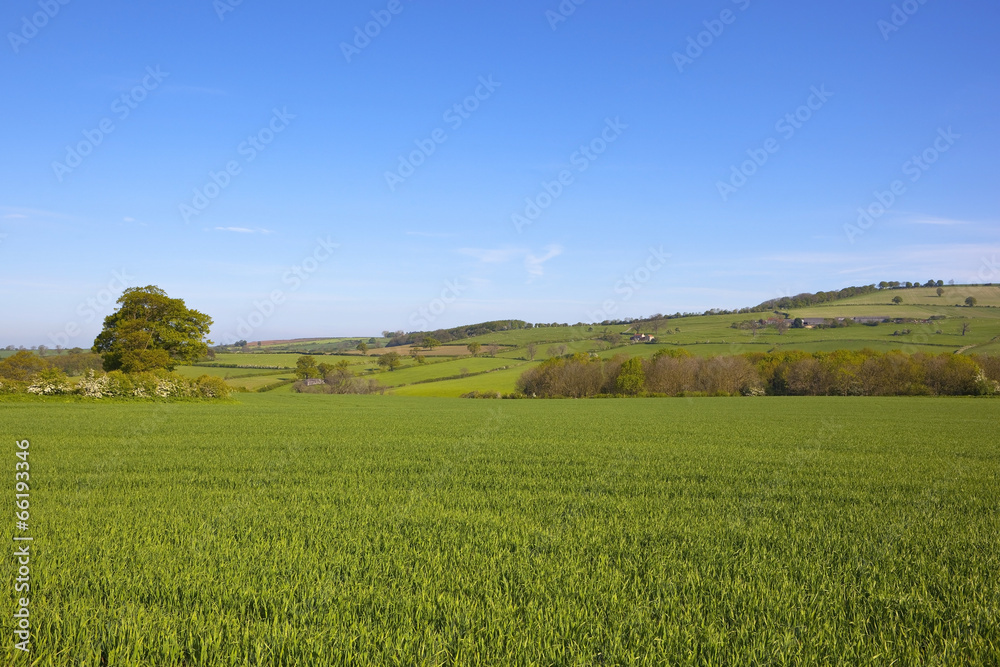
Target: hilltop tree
(390,361)
(897,300)
(305,368)
(970,301)
(940,291)
(150,330)
(22,366)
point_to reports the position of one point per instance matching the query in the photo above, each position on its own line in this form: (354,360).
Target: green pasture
(502,381)
(986,295)
(441,369)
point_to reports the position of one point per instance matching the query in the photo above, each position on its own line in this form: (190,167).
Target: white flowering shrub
(50,382)
(94,386)
(986,386)
(156,384)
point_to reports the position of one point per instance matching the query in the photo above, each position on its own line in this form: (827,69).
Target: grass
(324,530)
(501,381)
(434,370)
(225,373)
(986,295)
(260,359)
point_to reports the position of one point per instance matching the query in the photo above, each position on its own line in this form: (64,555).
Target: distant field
(449,350)
(261,359)
(497,381)
(521,337)
(953,296)
(429,371)
(256,382)
(225,373)
(903,310)
(329,530)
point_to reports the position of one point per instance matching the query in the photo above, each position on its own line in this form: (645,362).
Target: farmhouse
(642,338)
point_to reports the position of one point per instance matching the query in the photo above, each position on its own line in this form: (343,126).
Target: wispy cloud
(243,230)
(431,235)
(534,265)
(947,222)
(494,255)
(20,213)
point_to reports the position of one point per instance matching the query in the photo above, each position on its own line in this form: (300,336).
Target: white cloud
(493,255)
(243,230)
(534,264)
(430,235)
(947,222)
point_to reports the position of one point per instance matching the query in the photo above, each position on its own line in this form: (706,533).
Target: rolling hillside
(451,371)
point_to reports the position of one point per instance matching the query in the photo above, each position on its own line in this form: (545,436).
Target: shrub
(94,386)
(631,378)
(212,386)
(12,387)
(22,366)
(50,382)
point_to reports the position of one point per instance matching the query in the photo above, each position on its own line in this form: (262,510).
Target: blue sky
(661,157)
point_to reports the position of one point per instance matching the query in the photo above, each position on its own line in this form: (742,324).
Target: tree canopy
(150,330)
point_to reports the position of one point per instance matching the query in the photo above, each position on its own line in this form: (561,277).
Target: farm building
(642,338)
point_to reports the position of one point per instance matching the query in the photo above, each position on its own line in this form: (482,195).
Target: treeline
(811,299)
(457,333)
(23,365)
(842,373)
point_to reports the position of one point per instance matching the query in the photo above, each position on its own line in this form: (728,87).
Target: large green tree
(150,330)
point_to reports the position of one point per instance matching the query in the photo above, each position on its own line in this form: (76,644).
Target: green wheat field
(281,529)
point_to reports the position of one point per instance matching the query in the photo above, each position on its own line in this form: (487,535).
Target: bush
(50,382)
(22,366)
(12,387)
(212,386)
(631,378)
